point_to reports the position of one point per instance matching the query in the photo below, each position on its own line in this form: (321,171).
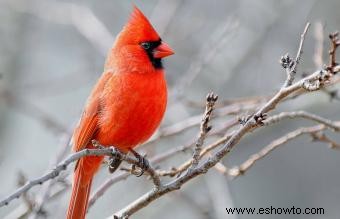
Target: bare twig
(302,114)
(55,172)
(289,64)
(109,151)
(240,170)
(299,52)
(204,129)
(28,200)
(271,120)
(320,136)
(335,42)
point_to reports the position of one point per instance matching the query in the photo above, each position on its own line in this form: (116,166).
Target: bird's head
(138,45)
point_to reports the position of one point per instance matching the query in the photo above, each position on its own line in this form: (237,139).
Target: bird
(126,105)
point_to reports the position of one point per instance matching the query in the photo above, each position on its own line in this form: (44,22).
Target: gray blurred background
(52,52)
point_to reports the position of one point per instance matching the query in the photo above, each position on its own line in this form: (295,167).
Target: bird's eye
(146,45)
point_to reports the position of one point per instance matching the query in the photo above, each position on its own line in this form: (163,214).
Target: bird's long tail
(84,172)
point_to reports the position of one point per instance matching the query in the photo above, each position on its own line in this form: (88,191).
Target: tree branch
(240,170)
(109,151)
(204,129)
(289,64)
(302,114)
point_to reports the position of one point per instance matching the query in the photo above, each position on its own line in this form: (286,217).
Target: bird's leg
(114,162)
(143,163)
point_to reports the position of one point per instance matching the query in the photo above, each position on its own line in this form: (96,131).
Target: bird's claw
(114,163)
(115,160)
(143,164)
(260,118)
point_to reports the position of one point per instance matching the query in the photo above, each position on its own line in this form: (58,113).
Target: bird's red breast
(133,105)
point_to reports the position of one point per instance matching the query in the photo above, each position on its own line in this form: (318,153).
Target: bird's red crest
(128,46)
(139,28)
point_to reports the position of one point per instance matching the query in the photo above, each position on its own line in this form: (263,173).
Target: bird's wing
(88,123)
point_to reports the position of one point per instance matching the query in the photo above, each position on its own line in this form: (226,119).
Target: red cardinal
(126,105)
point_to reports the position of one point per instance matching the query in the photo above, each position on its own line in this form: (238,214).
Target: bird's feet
(114,162)
(260,118)
(143,164)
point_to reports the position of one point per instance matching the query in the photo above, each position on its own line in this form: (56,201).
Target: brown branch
(271,120)
(302,114)
(320,136)
(109,151)
(55,172)
(335,42)
(289,64)
(240,170)
(204,129)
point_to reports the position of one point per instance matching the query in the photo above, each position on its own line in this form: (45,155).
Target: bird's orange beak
(162,51)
